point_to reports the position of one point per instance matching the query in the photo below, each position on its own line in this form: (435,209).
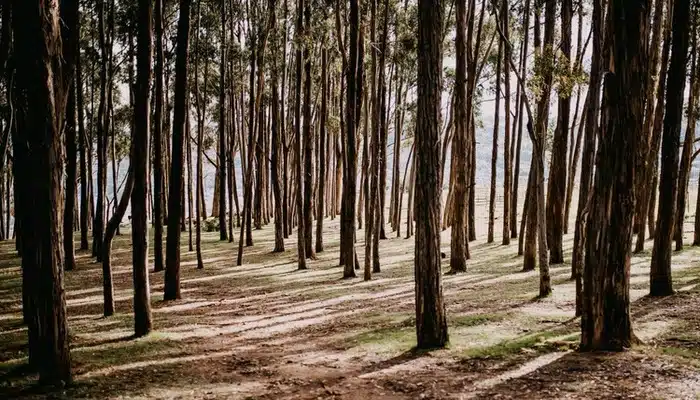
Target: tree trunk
(308,138)
(688,147)
(353,106)
(42,85)
(158,192)
(494,149)
(606,322)
(556,191)
(661,281)
(518,142)
(431,321)
(71,167)
(223,149)
(322,151)
(459,250)
(172,263)
(652,123)
(507,162)
(587,160)
(301,243)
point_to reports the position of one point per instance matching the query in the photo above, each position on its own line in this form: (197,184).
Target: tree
(139,213)
(308,138)
(42,85)
(277,123)
(606,321)
(172,267)
(322,150)
(301,230)
(158,173)
(431,321)
(222,128)
(507,161)
(459,245)
(661,283)
(353,76)
(688,144)
(587,160)
(556,191)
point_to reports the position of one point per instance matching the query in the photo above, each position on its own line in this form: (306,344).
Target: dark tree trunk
(459,251)
(322,151)
(172,263)
(110,232)
(222,128)
(139,210)
(42,87)
(606,321)
(354,94)
(507,162)
(71,169)
(494,149)
(587,160)
(556,191)
(431,321)
(158,187)
(98,225)
(308,138)
(661,282)
(688,147)
(520,103)
(84,150)
(301,243)
(652,123)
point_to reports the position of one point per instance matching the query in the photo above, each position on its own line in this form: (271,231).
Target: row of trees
(299,90)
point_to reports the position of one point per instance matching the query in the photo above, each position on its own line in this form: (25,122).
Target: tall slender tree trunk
(301,230)
(172,263)
(587,160)
(494,149)
(158,187)
(308,138)
(223,149)
(322,150)
(520,103)
(661,280)
(459,250)
(688,145)
(431,321)
(354,94)
(139,231)
(507,162)
(556,191)
(652,121)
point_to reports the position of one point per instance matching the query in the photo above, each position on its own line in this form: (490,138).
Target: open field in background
(265,330)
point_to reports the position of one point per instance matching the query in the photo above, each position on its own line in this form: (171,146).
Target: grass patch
(465,321)
(537,342)
(126,351)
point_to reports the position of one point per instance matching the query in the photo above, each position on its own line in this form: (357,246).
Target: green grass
(150,347)
(535,342)
(465,321)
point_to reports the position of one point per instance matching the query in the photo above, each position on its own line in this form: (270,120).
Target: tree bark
(606,321)
(172,263)
(660,278)
(431,321)
(42,85)
(556,191)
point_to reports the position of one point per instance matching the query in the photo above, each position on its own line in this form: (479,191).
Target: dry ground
(267,331)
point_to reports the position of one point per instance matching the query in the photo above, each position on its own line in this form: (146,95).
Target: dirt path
(265,330)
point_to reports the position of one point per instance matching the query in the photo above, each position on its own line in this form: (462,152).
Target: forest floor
(267,331)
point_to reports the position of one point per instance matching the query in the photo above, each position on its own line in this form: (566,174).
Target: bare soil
(267,331)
